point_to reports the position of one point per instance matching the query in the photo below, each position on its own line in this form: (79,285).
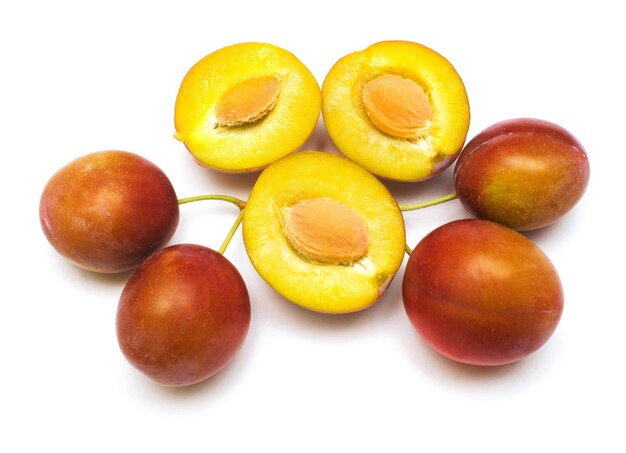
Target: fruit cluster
(476,289)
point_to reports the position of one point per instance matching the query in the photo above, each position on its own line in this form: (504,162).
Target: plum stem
(231,233)
(236,201)
(426,204)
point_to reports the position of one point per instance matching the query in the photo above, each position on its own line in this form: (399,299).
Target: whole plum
(183,315)
(523,173)
(481,293)
(108,211)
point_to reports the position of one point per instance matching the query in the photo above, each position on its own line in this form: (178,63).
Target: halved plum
(397,108)
(246,105)
(323,232)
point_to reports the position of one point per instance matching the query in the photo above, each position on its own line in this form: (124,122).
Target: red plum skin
(183,315)
(480,293)
(522,173)
(108,211)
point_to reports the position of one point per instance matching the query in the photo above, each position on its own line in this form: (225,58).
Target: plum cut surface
(397,108)
(323,232)
(246,105)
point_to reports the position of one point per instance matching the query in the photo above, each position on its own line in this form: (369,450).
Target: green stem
(407,249)
(425,204)
(236,201)
(231,233)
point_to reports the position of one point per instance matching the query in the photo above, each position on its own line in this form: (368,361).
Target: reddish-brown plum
(481,293)
(183,315)
(523,173)
(108,211)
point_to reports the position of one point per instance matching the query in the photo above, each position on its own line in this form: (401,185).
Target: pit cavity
(248,101)
(326,230)
(397,106)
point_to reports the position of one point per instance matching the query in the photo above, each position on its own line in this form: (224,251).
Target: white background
(79,77)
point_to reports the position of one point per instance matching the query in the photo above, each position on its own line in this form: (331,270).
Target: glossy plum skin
(481,293)
(183,315)
(108,211)
(522,173)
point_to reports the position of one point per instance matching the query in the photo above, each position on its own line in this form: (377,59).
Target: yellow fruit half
(323,232)
(245,106)
(397,108)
